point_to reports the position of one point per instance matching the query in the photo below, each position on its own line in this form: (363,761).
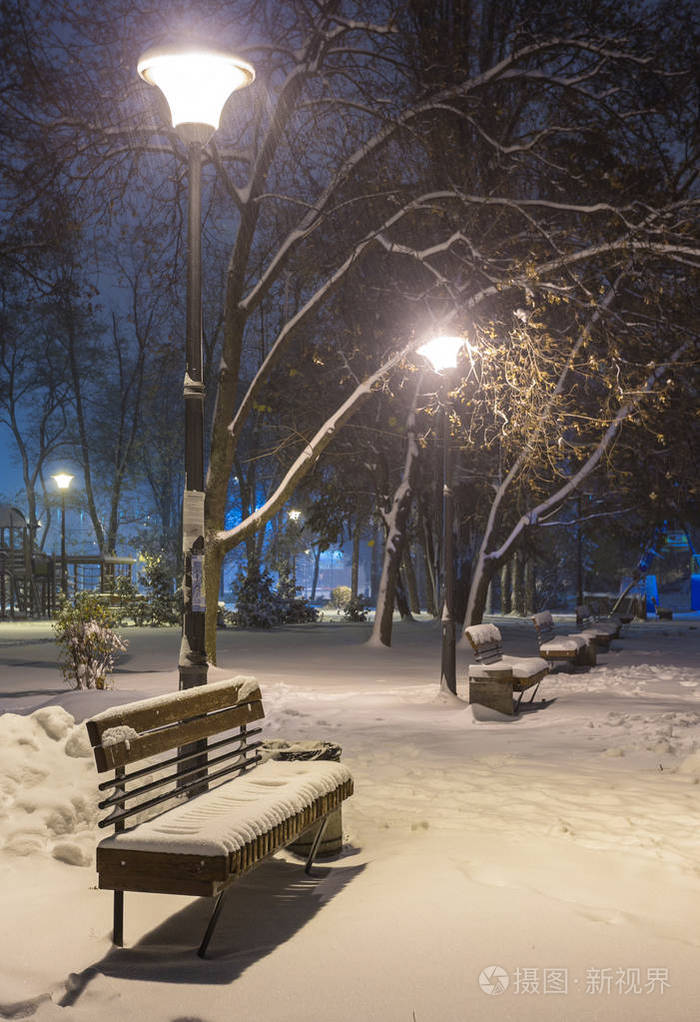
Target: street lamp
(196,82)
(63,481)
(442,353)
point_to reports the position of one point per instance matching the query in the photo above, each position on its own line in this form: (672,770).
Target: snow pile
(48,790)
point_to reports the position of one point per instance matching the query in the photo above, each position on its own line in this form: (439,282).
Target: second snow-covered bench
(577,650)
(220,812)
(496,679)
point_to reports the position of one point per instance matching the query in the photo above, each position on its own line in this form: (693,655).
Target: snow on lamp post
(196,82)
(294,516)
(63,481)
(442,353)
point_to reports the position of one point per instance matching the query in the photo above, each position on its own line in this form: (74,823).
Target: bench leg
(210,927)
(534,691)
(315,846)
(118,924)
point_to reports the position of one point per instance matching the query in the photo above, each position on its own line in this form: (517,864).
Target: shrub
(356,609)
(131,604)
(160,599)
(340,597)
(90,644)
(257,603)
(296,609)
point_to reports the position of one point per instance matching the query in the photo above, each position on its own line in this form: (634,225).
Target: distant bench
(498,681)
(220,811)
(578,650)
(602,630)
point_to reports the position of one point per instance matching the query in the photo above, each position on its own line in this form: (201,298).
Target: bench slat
(107,757)
(173,707)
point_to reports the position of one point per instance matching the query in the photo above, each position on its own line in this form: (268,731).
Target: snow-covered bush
(161,602)
(356,609)
(90,646)
(131,605)
(340,597)
(296,610)
(258,605)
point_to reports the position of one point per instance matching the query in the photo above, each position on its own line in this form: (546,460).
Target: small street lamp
(442,353)
(63,481)
(196,82)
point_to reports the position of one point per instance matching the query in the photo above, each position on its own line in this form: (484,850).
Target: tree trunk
(355,570)
(530,591)
(429,562)
(505,589)
(214,558)
(375,567)
(477,596)
(402,604)
(519,584)
(411,581)
(393,550)
(317,565)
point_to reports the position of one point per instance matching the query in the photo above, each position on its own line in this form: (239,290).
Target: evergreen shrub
(356,609)
(260,605)
(160,600)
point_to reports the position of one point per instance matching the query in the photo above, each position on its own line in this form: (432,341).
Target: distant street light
(442,353)
(63,481)
(196,82)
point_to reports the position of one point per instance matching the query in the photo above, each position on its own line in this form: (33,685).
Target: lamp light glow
(195,81)
(63,480)
(295,515)
(442,352)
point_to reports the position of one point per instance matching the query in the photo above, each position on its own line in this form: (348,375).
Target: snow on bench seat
(221,821)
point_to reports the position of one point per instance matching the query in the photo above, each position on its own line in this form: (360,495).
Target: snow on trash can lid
(280,749)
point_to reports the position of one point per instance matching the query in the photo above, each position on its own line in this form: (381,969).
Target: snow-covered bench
(496,678)
(578,650)
(206,810)
(601,629)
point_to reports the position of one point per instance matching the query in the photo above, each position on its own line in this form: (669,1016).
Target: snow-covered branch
(532,517)
(309,456)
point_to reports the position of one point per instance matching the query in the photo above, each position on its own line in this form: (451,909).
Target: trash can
(279,749)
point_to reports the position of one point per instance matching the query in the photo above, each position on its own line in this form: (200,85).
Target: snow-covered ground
(560,851)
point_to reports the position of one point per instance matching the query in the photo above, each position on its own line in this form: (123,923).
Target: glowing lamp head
(295,515)
(442,352)
(196,82)
(62,480)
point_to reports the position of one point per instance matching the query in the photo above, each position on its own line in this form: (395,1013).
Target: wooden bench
(578,650)
(498,681)
(205,810)
(602,631)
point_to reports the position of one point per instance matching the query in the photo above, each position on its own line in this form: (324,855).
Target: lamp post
(196,82)
(294,516)
(63,481)
(442,354)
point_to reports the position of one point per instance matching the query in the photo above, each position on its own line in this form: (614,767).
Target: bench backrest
(544,626)
(181,721)
(486,642)
(584,615)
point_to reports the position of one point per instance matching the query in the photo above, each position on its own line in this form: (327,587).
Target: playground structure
(674,583)
(30,580)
